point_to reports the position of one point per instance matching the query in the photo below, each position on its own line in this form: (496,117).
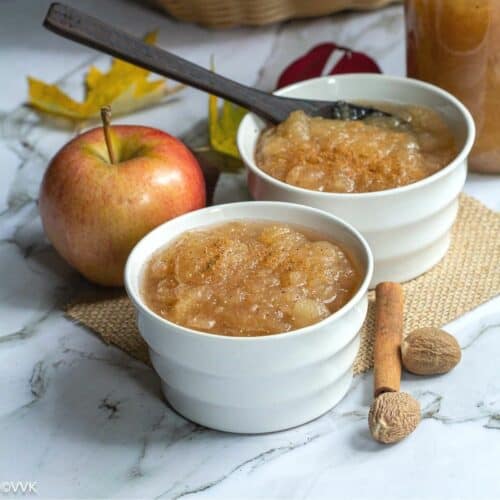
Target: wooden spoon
(87,30)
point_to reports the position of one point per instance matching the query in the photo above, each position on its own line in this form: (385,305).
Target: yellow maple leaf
(223,125)
(126,87)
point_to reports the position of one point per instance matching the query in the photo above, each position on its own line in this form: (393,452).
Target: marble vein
(250,465)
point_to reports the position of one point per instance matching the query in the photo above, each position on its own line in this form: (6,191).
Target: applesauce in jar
(342,156)
(455,44)
(249,278)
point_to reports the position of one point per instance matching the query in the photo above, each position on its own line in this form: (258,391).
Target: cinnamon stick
(388,335)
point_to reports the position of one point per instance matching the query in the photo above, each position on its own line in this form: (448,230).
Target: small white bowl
(407,228)
(253,384)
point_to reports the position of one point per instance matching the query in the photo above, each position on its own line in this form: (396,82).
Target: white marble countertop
(84,420)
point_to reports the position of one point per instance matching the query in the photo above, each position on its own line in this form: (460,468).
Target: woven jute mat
(468,276)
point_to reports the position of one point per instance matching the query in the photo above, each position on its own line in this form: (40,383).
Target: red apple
(94,211)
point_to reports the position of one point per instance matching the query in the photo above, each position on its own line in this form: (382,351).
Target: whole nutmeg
(430,351)
(393,416)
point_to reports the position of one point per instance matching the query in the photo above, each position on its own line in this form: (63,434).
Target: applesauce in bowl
(249,278)
(255,383)
(373,154)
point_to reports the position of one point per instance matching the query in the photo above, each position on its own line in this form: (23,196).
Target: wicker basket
(225,13)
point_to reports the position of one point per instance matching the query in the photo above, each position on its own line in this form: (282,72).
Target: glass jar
(455,44)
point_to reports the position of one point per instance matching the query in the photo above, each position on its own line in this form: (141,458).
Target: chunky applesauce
(249,279)
(341,156)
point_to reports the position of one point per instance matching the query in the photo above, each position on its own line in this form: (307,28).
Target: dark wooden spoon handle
(87,30)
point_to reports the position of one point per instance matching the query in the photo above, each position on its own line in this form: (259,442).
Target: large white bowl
(256,384)
(407,228)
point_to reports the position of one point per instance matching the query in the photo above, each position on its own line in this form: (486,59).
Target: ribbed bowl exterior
(407,228)
(408,234)
(256,386)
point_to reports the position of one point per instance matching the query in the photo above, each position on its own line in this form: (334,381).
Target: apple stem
(106,125)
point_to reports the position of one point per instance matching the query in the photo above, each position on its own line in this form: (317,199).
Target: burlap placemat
(468,276)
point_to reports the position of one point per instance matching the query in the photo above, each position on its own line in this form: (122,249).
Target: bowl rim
(459,158)
(140,305)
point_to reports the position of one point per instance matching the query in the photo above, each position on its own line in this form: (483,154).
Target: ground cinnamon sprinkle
(356,156)
(249,278)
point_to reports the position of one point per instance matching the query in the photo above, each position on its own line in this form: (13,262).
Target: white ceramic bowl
(256,384)
(407,228)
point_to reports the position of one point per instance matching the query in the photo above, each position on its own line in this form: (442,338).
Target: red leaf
(312,64)
(355,62)
(307,66)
